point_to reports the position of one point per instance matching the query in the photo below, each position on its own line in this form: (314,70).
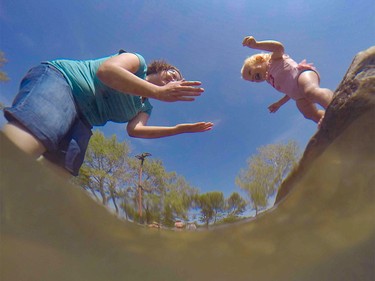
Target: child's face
(258,73)
(255,73)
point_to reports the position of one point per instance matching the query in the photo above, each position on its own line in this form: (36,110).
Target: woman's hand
(180,91)
(194,127)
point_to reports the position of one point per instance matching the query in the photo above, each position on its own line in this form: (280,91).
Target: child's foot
(320,121)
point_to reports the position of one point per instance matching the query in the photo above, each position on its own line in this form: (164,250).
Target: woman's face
(170,75)
(164,77)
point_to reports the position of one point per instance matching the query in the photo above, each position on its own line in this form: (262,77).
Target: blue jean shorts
(45,106)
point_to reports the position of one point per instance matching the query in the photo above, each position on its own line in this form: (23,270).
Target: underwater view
(323,230)
(198,129)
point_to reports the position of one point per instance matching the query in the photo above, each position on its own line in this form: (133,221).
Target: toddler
(299,82)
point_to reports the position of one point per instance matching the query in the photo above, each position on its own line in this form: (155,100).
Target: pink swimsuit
(283,75)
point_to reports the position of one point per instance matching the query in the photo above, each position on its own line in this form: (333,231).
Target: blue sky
(202,38)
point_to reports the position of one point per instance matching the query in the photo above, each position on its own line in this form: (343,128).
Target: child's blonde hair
(251,62)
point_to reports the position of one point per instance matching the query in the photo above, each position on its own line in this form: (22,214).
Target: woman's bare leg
(23,139)
(31,145)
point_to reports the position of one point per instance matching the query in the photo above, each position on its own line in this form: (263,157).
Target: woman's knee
(23,139)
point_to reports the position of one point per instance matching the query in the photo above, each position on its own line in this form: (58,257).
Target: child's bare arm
(275,106)
(275,47)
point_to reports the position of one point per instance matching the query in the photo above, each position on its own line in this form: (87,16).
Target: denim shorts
(46,107)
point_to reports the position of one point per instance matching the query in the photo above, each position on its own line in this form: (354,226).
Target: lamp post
(141,157)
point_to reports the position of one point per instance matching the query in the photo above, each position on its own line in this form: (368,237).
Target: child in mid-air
(299,82)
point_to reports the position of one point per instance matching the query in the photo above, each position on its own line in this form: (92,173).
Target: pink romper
(283,75)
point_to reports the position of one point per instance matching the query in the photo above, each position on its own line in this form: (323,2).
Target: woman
(60,101)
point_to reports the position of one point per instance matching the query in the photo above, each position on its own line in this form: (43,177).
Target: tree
(111,176)
(105,170)
(211,205)
(235,205)
(166,196)
(153,181)
(3,75)
(265,172)
(178,199)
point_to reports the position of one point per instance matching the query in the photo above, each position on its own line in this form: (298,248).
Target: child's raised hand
(249,41)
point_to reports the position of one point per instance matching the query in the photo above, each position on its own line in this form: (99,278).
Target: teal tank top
(97,102)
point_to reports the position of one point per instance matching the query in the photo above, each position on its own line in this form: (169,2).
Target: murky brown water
(324,229)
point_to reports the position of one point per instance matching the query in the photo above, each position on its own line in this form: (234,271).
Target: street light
(141,157)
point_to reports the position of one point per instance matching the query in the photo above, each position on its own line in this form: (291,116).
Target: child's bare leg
(23,139)
(309,110)
(308,81)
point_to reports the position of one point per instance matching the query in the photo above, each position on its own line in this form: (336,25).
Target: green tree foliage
(166,196)
(265,172)
(179,198)
(112,177)
(212,205)
(104,171)
(3,75)
(235,205)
